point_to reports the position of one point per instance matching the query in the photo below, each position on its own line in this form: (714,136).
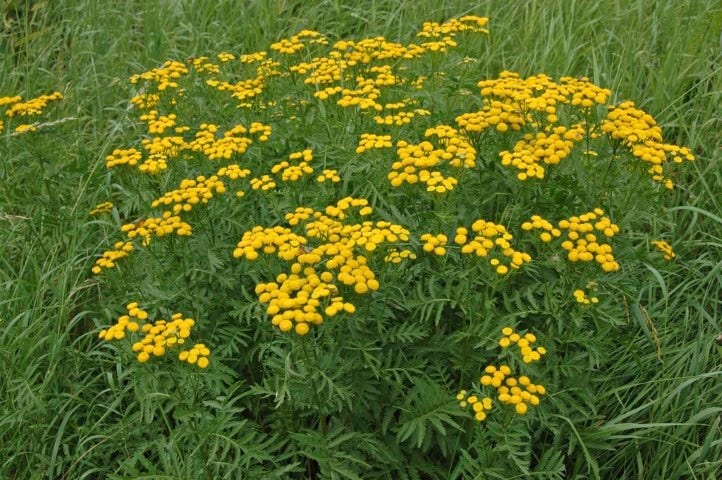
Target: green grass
(70,408)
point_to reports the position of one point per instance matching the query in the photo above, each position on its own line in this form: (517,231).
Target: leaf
(551,465)
(428,405)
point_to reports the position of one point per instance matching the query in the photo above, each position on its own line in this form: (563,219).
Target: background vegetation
(649,402)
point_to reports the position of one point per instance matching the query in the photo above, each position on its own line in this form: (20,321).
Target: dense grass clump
(404,240)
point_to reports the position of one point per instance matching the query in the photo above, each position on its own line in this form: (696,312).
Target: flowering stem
(314,386)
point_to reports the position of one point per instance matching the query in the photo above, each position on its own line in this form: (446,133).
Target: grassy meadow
(352,326)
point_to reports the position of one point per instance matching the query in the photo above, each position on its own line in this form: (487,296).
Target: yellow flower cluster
(442,45)
(269,240)
(396,256)
(159,335)
(418,82)
(517,391)
(339,210)
(665,248)
(296,297)
(296,300)
(103,207)
(329,174)
(169,146)
(165,77)
(233,171)
(399,105)
(242,90)
(198,355)
(26,127)
(325,70)
(224,57)
(154,164)
(435,243)
(109,257)
(580,92)
(145,101)
(490,236)
(127,322)
(330,69)
(157,226)
(264,182)
(366,92)
(269,68)
(191,192)
(160,149)
(528,354)
(541,94)
(367,50)
(539,223)
(520,392)
(249,88)
(325,93)
(628,124)
(418,162)
(261,129)
(548,147)
(495,113)
(384,77)
(129,156)
(202,65)
(480,406)
(400,118)
(369,141)
(206,141)
(297,42)
(581,297)
(231,142)
(291,172)
(581,244)
(455,144)
(639,132)
(33,106)
(7,100)
(587,248)
(511,103)
(158,124)
(254,57)
(466,23)
(355,273)
(368,235)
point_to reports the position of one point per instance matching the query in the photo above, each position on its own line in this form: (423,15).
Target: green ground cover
(379,377)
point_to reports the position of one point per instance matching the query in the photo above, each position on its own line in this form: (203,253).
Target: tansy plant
(349,238)
(20,115)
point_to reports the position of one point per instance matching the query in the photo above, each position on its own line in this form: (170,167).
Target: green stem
(314,386)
